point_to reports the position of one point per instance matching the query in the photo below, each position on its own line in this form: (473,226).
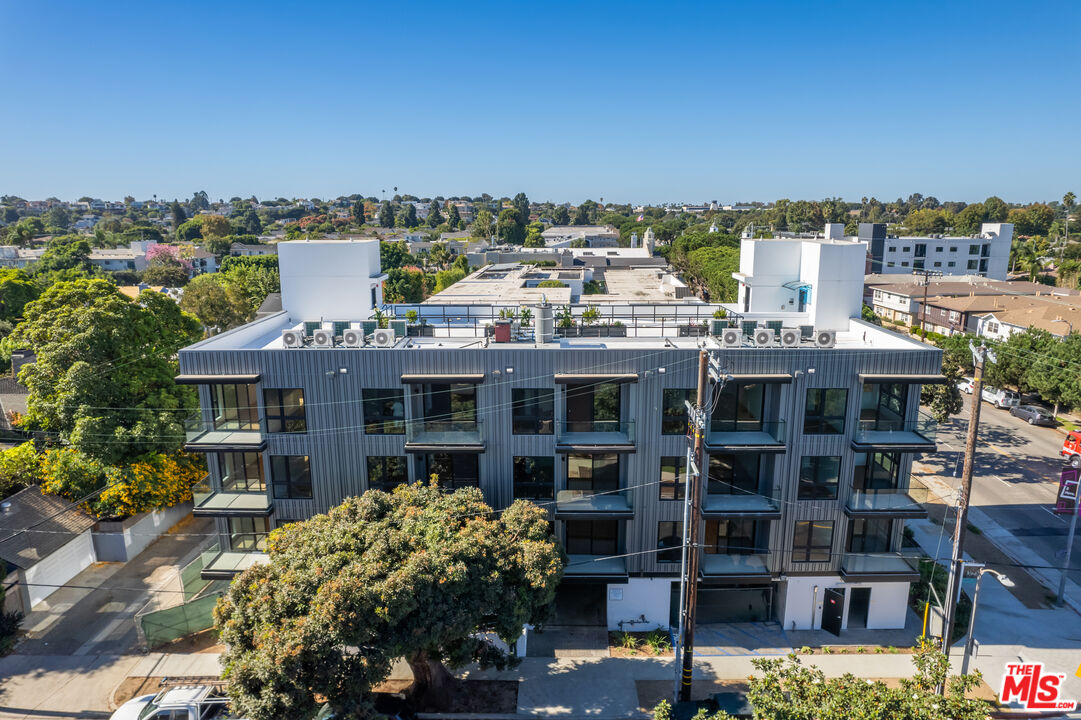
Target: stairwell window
(284,410)
(812,541)
(824,413)
(291,476)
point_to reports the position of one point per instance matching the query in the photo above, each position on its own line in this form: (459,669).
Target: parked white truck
(182,702)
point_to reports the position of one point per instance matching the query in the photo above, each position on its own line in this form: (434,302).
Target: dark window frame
(865,536)
(527,468)
(740,408)
(243,538)
(283,416)
(819,421)
(608,479)
(381,468)
(540,404)
(464,469)
(720,543)
(674,410)
(811,483)
(670,541)
(291,477)
(804,549)
(672,481)
(733,474)
(596,543)
(247,461)
(382,422)
(234,406)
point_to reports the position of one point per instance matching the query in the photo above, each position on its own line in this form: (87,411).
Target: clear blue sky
(628,101)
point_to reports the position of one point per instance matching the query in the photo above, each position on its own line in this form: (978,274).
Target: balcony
(743,505)
(888,503)
(224,565)
(585,504)
(595,436)
(887,565)
(897,435)
(761,437)
(595,567)
(736,567)
(207,436)
(444,435)
(210,502)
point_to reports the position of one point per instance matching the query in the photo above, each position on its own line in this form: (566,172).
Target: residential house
(560,236)
(246,250)
(986,253)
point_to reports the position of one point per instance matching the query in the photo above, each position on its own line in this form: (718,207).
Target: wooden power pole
(964,492)
(689,596)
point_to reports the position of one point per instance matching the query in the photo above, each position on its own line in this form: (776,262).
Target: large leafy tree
(216,302)
(418,574)
(482,225)
(454,219)
(103,379)
(509,229)
(16,289)
(435,217)
(521,204)
(386,215)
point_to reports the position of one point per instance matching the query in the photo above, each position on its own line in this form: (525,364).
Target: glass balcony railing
(896,502)
(591,503)
(885,433)
(747,435)
(766,503)
(595,432)
(721,565)
(208,501)
(882,564)
(202,435)
(444,432)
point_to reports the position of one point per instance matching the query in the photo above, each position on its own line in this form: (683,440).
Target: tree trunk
(431,682)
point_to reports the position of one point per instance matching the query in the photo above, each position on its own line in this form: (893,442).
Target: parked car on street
(1071,448)
(1033,415)
(1000,398)
(182,702)
(967,385)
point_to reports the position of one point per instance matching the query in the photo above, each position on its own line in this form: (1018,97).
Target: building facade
(986,254)
(809,446)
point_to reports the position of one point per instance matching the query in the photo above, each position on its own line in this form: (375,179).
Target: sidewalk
(74,687)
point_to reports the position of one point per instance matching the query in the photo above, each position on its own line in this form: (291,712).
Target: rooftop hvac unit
(352,338)
(732,338)
(825,338)
(717,327)
(763,337)
(323,338)
(790,337)
(293,338)
(399,327)
(384,338)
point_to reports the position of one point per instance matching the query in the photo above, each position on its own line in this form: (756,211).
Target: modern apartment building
(809,444)
(986,254)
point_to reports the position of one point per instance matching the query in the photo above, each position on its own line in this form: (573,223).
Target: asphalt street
(1015,479)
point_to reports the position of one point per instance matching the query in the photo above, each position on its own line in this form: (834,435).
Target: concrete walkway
(74,687)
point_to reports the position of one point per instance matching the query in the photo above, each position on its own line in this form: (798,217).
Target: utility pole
(953,588)
(692,521)
(1069,551)
(927,275)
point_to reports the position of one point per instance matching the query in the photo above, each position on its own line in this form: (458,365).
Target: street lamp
(970,641)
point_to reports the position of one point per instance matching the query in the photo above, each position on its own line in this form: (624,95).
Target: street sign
(1068,490)
(970,570)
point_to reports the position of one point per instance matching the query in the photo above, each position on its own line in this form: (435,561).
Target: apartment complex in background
(809,445)
(986,254)
(989,308)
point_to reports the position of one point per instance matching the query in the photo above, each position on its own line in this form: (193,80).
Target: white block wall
(888,609)
(641,604)
(44,578)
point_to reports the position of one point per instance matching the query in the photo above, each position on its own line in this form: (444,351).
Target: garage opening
(581,604)
(728,604)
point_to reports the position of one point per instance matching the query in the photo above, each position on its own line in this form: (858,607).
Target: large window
(818,477)
(813,541)
(386,472)
(291,476)
(593,473)
(825,411)
(870,536)
(284,410)
(532,411)
(732,537)
(876,471)
(248,534)
(384,411)
(674,410)
(593,408)
(733,474)
(234,407)
(455,470)
(673,476)
(669,541)
(534,477)
(882,406)
(739,408)
(450,407)
(241,472)
(592,537)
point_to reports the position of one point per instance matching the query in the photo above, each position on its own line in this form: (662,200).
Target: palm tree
(1068,200)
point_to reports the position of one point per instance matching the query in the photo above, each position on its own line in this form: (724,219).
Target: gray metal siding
(338,447)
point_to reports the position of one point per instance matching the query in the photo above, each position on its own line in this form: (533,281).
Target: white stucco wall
(329,280)
(122,541)
(888,609)
(44,578)
(640,604)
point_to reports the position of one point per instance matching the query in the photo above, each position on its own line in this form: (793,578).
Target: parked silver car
(1033,414)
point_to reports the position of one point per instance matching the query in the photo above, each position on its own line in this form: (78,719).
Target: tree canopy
(103,379)
(418,573)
